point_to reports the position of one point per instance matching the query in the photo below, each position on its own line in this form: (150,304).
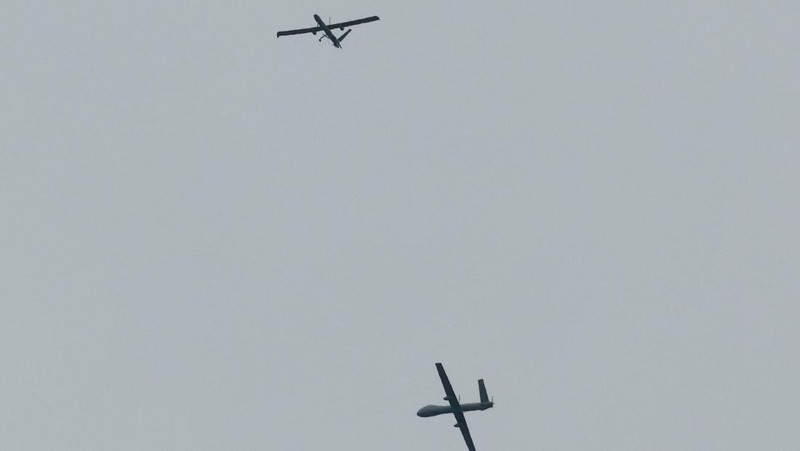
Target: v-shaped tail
(482,390)
(341,38)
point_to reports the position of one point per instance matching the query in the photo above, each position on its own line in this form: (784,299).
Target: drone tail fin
(482,390)
(341,38)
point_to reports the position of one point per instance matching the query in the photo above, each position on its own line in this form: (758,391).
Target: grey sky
(215,239)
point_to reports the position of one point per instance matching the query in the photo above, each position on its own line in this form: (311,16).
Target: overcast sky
(213,239)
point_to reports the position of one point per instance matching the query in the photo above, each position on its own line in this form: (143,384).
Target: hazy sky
(213,239)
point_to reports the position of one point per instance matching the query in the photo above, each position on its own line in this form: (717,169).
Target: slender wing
(451,397)
(462,424)
(350,23)
(300,31)
(448,389)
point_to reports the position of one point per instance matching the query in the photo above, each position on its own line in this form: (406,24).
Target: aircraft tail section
(341,38)
(482,389)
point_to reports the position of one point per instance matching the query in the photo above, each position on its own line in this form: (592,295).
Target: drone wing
(461,422)
(350,23)
(299,31)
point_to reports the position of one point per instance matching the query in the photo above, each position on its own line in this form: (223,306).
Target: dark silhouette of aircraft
(328,29)
(455,407)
